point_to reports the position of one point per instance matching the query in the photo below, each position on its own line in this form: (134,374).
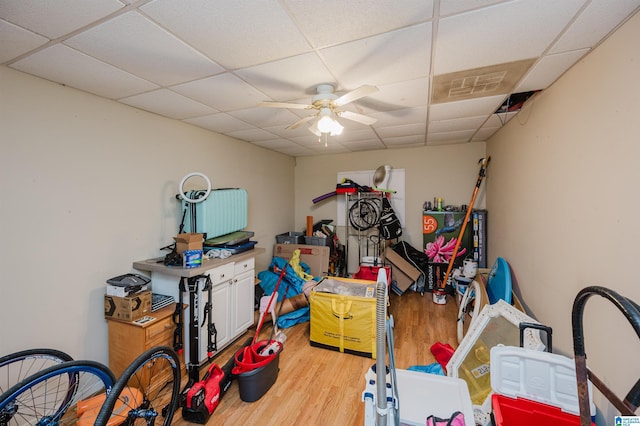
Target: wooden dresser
(127,340)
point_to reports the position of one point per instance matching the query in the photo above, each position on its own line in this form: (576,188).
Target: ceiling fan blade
(358,93)
(284,105)
(299,122)
(353,116)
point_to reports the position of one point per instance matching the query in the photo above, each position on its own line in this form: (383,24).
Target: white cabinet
(242,297)
(232,299)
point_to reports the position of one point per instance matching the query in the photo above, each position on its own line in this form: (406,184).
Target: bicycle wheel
(18,366)
(58,395)
(364,214)
(148,391)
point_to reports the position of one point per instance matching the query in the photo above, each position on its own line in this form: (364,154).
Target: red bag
(443,353)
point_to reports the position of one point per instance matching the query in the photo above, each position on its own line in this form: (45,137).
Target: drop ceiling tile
(288,78)
(137,45)
(351,126)
(469,123)
(311,140)
(484,134)
(274,143)
(548,69)
(450,7)
(224,92)
(220,122)
(235,34)
(387,58)
(447,142)
(330,148)
(283,132)
(265,117)
(499,120)
(268,54)
(401,116)
(365,133)
(405,130)
(401,95)
(168,103)
(466,108)
(364,145)
(297,152)
(499,34)
(405,141)
(14,41)
(341,21)
(594,23)
(54,19)
(494,80)
(251,135)
(461,135)
(75,69)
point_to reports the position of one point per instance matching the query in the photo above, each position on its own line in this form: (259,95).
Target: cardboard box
(316,257)
(127,308)
(190,241)
(435,276)
(344,323)
(402,272)
(440,232)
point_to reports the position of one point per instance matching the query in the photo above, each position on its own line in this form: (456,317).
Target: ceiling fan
(326,103)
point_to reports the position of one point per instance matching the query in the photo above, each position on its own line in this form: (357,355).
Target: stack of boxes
(128,297)
(190,247)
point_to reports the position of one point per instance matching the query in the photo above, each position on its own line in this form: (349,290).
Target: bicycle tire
(17,366)
(160,389)
(46,397)
(364,214)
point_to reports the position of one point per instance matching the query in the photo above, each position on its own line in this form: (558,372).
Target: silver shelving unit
(362,216)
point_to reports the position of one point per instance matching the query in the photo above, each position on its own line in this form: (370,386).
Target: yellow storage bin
(343,316)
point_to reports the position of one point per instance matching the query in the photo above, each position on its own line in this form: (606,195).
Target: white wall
(88,187)
(563,202)
(449,172)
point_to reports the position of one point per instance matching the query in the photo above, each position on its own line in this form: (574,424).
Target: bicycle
(19,365)
(47,396)
(148,389)
(87,393)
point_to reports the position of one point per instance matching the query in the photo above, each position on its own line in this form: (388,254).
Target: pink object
(456,420)
(439,252)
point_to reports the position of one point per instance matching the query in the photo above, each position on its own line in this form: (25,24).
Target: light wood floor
(322,387)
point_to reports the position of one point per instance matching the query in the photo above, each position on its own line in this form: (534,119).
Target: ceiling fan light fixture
(336,128)
(325,124)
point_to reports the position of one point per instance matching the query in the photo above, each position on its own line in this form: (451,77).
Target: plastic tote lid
(538,376)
